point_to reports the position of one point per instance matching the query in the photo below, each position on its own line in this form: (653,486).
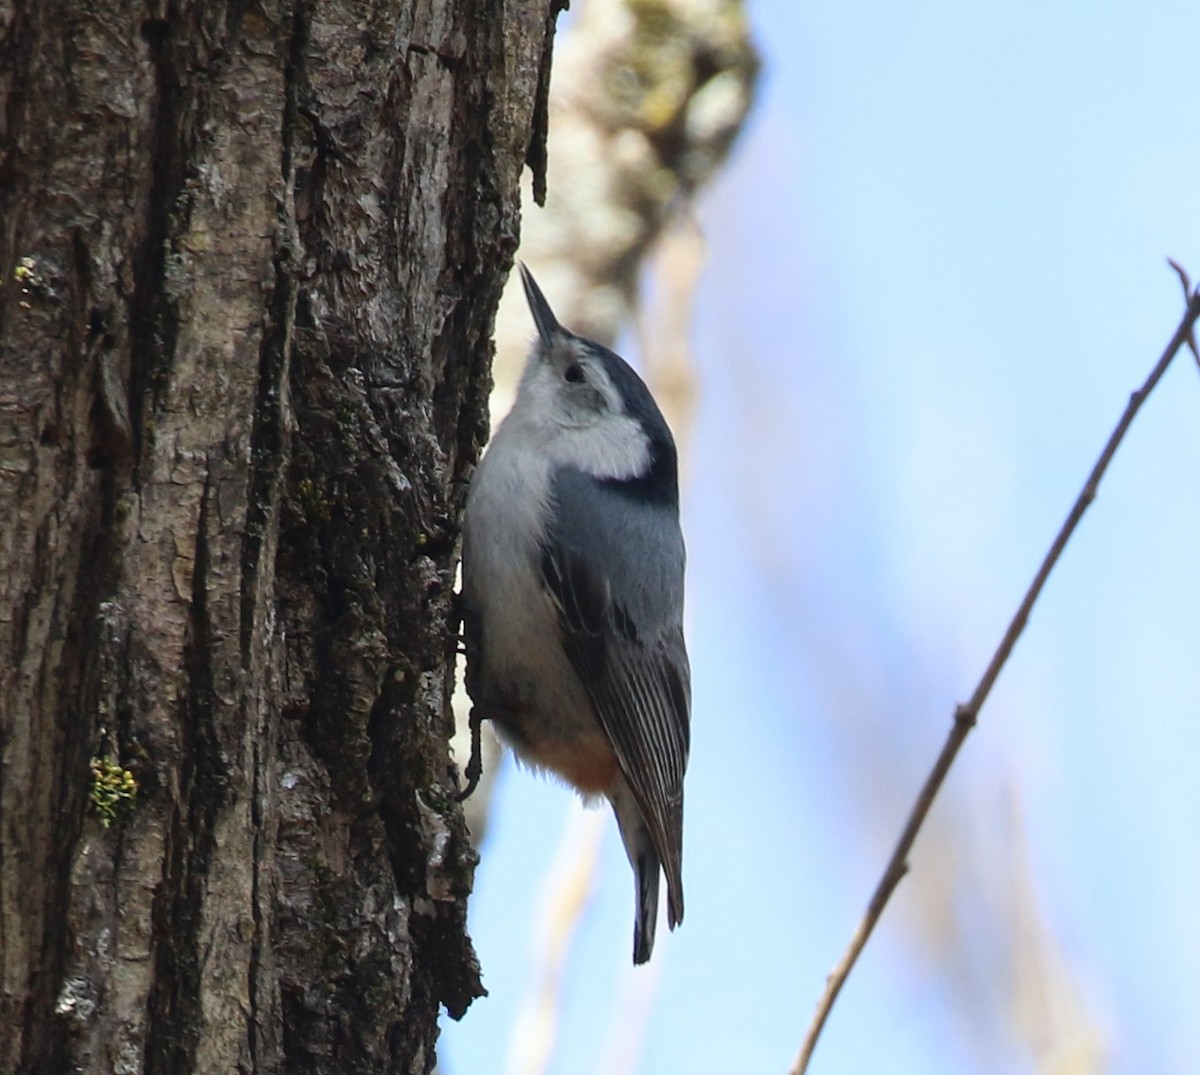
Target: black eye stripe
(574,373)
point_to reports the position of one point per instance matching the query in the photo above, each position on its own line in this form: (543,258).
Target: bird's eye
(574,373)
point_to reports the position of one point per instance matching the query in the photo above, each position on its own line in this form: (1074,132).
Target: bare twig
(1186,281)
(966,714)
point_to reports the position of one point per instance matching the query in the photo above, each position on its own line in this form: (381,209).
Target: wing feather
(637,677)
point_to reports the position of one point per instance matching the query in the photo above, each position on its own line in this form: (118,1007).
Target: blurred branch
(1047,1006)
(646,100)
(965,715)
(634,1009)
(675,265)
(566,893)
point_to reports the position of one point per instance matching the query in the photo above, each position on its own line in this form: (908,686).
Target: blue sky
(937,272)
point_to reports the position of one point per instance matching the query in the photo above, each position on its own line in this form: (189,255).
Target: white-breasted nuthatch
(572,597)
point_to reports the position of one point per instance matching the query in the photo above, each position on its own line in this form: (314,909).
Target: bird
(572,597)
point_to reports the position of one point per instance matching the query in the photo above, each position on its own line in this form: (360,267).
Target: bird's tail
(647,869)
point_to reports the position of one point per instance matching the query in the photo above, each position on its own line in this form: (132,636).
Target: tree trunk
(251,256)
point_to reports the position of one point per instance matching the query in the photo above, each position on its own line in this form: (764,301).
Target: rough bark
(250,258)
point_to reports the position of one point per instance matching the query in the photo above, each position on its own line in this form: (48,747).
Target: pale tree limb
(566,894)
(966,714)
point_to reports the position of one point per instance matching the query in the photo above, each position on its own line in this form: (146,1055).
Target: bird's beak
(543,316)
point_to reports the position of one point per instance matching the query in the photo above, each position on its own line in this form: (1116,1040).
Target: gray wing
(614,570)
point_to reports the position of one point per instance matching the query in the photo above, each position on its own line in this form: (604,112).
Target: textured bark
(250,258)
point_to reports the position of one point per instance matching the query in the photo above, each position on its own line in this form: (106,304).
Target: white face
(569,384)
(568,401)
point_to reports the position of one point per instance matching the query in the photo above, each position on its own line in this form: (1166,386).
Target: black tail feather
(646,873)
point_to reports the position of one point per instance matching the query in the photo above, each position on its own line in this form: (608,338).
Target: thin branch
(1186,281)
(966,714)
